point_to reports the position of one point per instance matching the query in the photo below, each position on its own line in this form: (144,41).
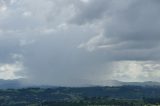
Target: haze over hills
(16,83)
(121,83)
(20,83)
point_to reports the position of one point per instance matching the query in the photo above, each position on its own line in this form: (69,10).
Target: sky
(79,42)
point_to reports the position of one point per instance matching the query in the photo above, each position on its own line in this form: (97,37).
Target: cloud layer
(80,42)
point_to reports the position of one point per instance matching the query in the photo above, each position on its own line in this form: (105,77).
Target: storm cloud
(80,42)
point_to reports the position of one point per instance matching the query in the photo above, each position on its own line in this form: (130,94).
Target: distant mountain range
(18,83)
(10,84)
(121,83)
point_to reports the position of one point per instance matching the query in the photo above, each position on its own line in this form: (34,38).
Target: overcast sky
(79,42)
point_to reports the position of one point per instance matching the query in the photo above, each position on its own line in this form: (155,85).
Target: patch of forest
(81,96)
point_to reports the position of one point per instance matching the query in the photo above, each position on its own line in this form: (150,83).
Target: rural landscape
(85,96)
(79,52)
(133,94)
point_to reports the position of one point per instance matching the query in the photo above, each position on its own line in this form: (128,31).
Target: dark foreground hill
(81,96)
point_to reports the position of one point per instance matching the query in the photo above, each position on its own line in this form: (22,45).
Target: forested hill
(25,96)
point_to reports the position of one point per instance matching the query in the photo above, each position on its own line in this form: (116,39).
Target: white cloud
(85,1)
(136,71)
(3,6)
(27,13)
(9,71)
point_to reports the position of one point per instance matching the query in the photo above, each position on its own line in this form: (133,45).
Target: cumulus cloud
(136,71)
(80,42)
(9,71)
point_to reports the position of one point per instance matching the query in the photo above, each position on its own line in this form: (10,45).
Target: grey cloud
(133,28)
(50,35)
(88,12)
(8,47)
(56,57)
